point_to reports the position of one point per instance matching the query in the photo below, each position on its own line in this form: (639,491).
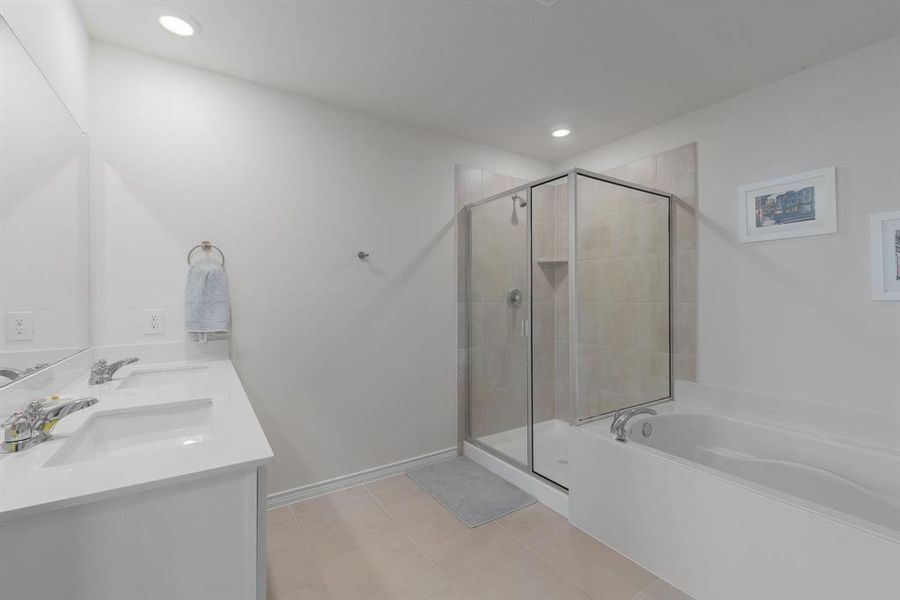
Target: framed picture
(795,206)
(885,229)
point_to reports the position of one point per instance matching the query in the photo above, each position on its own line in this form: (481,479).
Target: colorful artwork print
(791,206)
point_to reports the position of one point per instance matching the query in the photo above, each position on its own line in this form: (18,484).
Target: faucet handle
(35,408)
(99,372)
(15,428)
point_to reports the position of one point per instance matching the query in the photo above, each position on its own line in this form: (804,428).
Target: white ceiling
(506,72)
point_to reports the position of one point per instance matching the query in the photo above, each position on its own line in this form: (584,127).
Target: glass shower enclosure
(566,314)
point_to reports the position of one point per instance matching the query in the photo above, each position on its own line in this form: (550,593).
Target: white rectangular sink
(142,429)
(164,376)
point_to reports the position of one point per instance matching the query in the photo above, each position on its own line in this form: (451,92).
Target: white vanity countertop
(237,441)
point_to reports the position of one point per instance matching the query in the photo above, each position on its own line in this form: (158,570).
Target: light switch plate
(19,326)
(154,321)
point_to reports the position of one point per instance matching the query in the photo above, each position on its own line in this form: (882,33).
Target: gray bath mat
(470,491)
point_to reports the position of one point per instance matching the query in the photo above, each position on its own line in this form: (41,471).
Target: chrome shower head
(522,201)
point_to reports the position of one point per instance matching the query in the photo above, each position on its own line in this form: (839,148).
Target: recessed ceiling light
(561,132)
(178,22)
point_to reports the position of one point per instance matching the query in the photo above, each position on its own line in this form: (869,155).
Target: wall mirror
(44,246)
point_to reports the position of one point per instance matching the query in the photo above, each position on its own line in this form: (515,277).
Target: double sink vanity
(145,482)
(154,490)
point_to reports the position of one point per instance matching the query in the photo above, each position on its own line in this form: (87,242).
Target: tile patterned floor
(389,540)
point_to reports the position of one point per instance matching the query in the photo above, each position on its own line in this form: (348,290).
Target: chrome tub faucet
(32,426)
(101,372)
(621,418)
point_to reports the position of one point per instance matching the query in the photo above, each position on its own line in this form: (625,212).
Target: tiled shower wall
(498,400)
(623,285)
(675,171)
(550,233)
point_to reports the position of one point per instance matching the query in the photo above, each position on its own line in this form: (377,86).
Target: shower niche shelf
(551,260)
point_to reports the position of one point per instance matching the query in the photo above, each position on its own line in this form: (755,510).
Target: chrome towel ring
(206,246)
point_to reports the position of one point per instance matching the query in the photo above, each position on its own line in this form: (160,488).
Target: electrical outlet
(19,326)
(154,321)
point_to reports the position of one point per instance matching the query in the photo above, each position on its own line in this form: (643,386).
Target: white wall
(55,37)
(794,317)
(349,365)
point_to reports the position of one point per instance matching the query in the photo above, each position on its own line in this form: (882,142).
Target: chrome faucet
(32,426)
(621,418)
(102,372)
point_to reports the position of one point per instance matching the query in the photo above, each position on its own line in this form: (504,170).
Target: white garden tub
(730,500)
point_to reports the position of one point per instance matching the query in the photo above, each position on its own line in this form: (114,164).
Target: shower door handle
(525,328)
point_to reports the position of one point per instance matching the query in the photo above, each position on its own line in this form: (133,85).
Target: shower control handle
(514,297)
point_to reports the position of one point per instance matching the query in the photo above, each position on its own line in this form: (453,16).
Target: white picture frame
(798,205)
(885,238)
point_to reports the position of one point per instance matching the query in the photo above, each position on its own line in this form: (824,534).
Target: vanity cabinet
(193,540)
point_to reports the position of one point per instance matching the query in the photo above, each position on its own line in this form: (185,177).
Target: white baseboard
(547,494)
(312,490)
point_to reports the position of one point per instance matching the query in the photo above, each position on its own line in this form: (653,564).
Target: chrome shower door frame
(468,437)
(572,201)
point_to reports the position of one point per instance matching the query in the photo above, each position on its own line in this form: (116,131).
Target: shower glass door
(498,302)
(550,400)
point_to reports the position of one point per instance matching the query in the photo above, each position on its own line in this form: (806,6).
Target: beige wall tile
(642,171)
(684,367)
(684,226)
(645,228)
(543,282)
(600,235)
(646,277)
(544,403)
(543,327)
(684,272)
(494,324)
(685,328)
(462,256)
(677,173)
(494,183)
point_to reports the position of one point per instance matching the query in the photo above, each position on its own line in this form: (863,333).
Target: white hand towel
(207,308)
